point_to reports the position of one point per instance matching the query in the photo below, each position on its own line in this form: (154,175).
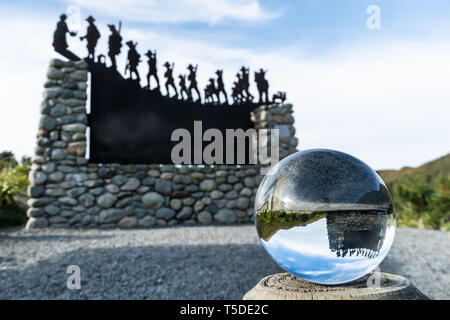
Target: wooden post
(381,286)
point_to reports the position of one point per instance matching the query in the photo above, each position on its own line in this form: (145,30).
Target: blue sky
(381,95)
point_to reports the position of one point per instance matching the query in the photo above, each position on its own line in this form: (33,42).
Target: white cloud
(176,11)
(386,103)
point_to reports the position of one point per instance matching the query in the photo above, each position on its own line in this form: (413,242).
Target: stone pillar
(61,144)
(278,116)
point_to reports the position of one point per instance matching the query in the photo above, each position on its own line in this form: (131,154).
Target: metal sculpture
(213,92)
(245,84)
(221,86)
(263,85)
(114,44)
(183,88)
(279,96)
(92,36)
(59,39)
(133,60)
(170,82)
(193,82)
(152,69)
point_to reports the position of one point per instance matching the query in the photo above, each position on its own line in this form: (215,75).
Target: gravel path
(179,263)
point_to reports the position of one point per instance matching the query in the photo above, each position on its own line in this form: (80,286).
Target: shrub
(421,203)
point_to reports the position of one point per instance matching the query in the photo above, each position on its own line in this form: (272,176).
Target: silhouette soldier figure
(237,94)
(133,60)
(114,44)
(245,83)
(92,36)
(59,39)
(183,89)
(221,86)
(170,81)
(193,81)
(210,91)
(152,71)
(262,85)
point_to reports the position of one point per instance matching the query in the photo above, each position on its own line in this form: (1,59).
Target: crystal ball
(325,216)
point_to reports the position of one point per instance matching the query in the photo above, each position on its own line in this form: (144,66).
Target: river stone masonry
(67,191)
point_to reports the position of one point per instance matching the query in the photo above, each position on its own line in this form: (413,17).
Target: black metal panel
(129,124)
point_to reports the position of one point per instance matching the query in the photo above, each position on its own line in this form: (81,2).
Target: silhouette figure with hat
(221,86)
(262,85)
(59,38)
(114,44)
(193,82)
(183,88)
(245,83)
(210,91)
(170,81)
(92,36)
(133,60)
(152,71)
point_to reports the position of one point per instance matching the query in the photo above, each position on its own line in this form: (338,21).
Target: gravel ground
(179,263)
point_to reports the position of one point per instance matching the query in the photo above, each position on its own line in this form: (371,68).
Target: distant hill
(428,170)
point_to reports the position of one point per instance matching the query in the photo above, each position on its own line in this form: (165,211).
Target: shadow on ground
(144,272)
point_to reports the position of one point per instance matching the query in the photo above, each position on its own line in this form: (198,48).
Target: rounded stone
(68,201)
(185,213)
(198,206)
(225,216)
(216,194)
(47,123)
(37,177)
(246,192)
(87,200)
(110,215)
(128,222)
(163,186)
(112,188)
(106,200)
(35,223)
(35,191)
(249,182)
(152,200)
(131,185)
(242,203)
(204,217)
(35,212)
(165,213)
(175,204)
(147,221)
(207,185)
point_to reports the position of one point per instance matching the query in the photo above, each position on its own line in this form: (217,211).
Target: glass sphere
(325,216)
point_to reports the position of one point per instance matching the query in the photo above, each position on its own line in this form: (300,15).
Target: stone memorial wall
(68,191)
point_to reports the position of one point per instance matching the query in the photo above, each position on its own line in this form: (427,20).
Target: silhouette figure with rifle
(133,60)
(152,71)
(193,82)
(114,44)
(170,81)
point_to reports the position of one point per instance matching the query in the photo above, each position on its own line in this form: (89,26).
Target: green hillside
(428,170)
(421,195)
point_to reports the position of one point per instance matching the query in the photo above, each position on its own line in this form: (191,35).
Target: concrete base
(382,286)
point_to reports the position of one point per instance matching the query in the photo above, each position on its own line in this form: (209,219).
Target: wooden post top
(379,286)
